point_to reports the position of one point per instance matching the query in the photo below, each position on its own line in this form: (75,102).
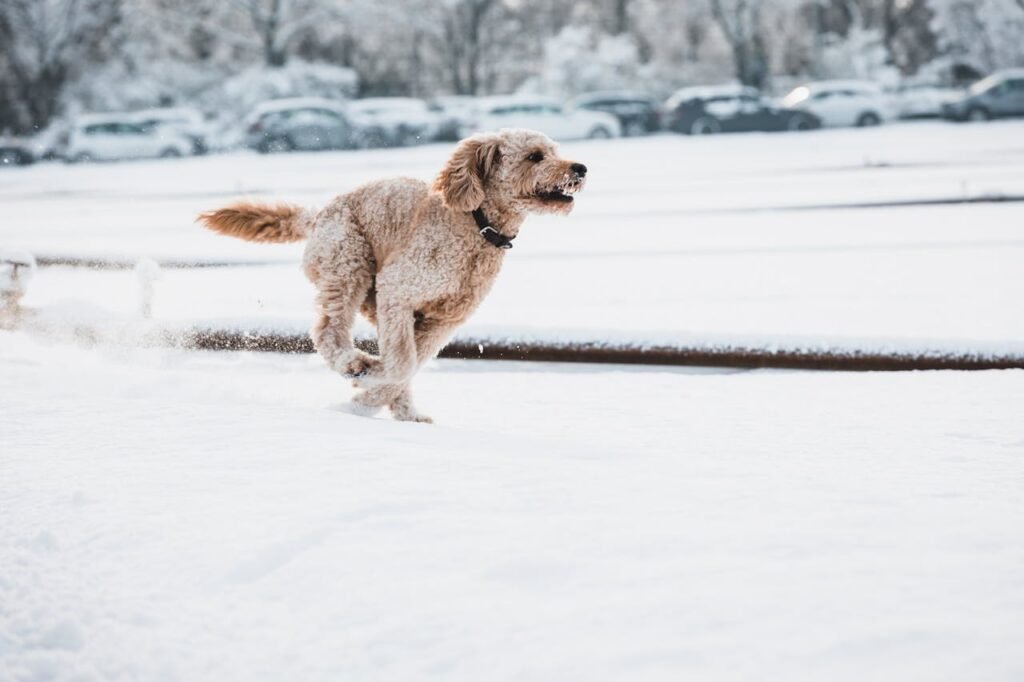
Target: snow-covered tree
(581,59)
(43,44)
(740,22)
(980,35)
(278,24)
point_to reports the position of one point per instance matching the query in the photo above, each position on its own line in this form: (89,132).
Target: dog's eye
(536,157)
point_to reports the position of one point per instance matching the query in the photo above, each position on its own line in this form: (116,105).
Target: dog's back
(386,211)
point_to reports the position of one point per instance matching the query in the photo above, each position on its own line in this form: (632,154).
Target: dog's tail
(271,223)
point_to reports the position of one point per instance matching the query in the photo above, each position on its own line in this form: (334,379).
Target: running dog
(415,259)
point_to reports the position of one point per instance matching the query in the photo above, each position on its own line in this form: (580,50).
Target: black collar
(489,233)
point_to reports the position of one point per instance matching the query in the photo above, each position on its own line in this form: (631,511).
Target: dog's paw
(403,411)
(412,417)
(359,366)
(374,376)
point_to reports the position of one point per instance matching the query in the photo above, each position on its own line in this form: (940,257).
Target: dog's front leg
(396,338)
(430,336)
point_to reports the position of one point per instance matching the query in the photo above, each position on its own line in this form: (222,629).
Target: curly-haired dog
(415,260)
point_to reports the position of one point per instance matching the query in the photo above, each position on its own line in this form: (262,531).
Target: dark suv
(999,95)
(639,114)
(731,109)
(306,124)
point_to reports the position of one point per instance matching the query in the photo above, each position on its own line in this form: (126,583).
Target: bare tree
(740,23)
(42,41)
(279,23)
(462,42)
(620,16)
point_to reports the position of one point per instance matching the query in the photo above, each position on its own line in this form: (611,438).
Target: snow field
(196,516)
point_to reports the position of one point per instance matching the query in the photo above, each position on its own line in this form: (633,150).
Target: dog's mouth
(562,193)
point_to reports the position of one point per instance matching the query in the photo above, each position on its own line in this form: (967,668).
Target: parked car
(638,114)
(454,112)
(536,113)
(921,100)
(305,124)
(404,120)
(1000,95)
(842,103)
(731,109)
(15,152)
(183,121)
(108,137)
(51,143)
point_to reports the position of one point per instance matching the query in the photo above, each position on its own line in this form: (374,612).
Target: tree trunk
(620,16)
(273,54)
(742,29)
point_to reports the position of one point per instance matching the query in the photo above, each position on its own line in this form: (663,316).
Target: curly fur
(409,256)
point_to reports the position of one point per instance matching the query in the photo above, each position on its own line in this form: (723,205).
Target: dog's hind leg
(343,277)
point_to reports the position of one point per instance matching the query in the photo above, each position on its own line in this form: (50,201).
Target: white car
(184,121)
(842,103)
(922,100)
(547,116)
(454,111)
(108,137)
(404,120)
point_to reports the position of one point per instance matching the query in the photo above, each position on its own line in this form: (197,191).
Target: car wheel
(801,122)
(868,119)
(170,153)
(276,144)
(370,139)
(408,137)
(13,157)
(599,133)
(705,125)
(634,129)
(978,114)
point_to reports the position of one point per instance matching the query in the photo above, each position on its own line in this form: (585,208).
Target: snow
(725,240)
(187,516)
(197,516)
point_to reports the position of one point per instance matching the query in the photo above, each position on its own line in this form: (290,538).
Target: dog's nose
(579,169)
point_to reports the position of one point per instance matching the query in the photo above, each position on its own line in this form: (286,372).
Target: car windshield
(985,84)
(796,96)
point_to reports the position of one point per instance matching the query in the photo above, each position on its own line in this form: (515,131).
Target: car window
(999,89)
(125,129)
(1016,86)
(821,96)
(551,109)
(723,106)
(326,113)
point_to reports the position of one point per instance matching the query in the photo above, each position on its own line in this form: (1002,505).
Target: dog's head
(520,169)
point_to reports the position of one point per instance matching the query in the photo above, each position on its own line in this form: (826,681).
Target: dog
(416,260)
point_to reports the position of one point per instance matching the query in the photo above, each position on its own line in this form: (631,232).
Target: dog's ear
(461,182)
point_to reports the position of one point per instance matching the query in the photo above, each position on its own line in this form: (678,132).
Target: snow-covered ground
(672,241)
(191,516)
(182,516)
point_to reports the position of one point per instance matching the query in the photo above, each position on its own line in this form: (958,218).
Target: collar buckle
(495,237)
(488,232)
